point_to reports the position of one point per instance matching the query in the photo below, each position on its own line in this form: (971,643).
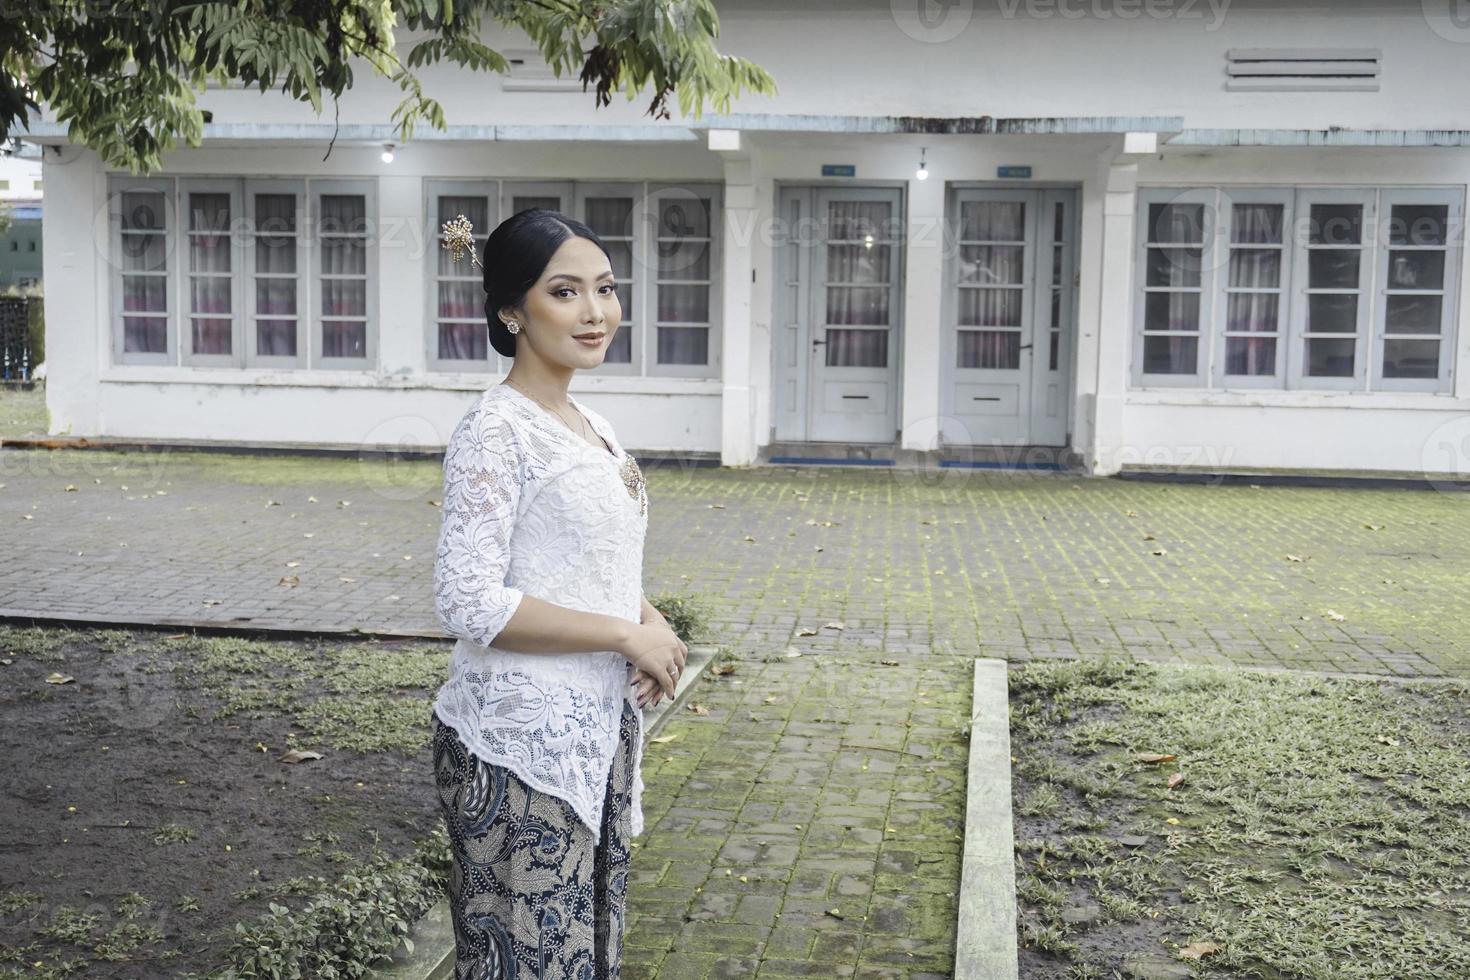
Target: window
(662,241)
(244,273)
(1306,288)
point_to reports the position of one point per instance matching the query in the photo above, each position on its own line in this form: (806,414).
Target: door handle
(1025,347)
(818,343)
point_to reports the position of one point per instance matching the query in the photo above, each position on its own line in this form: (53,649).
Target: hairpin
(459,237)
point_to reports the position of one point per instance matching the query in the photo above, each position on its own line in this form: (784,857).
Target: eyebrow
(565,275)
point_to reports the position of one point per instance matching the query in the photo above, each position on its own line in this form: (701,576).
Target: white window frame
(117,187)
(1209,246)
(433,190)
(1229,198)
(635,317)
(658,193)
(188,357)
(303,273)
(559,189)
(1377,203)
(1296,357)
(1454,230)
(316,189)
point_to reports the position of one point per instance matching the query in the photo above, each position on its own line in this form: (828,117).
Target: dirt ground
(144,806)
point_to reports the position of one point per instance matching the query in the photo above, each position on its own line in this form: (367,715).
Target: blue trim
(987,465)
(817,460)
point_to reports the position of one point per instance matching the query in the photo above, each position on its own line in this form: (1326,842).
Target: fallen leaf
(1297,558)
(1171,820)
(889,663)
(1175,779)
(292,564)
(1334,615)
(213,602)
(807,631)
(1154,757)
(289,581)
(177,636)
(55,678)
(1387,740)
(834,625)
(1147,536)
(344,578)
(1199,950)
(434,503)
(1159,551)
(792,652)
(72,488)
(716,506)
(299,755)
(699,709)
(722,669)
(665,738)
(311,500)
(773,699)
(835,913)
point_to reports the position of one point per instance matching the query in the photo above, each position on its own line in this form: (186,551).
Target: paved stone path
(810,824)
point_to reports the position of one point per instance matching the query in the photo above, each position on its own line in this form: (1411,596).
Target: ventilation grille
(1302,69)
(529,72)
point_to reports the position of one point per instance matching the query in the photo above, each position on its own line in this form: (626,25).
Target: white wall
(20,178)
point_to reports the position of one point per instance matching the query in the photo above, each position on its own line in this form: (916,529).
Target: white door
(1010,318)
(838,336)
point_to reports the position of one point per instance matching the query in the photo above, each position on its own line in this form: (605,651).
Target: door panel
(840,299)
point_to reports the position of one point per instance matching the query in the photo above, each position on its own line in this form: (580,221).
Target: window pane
(344,256)
(344,297)
(525,203)
(145,294)
(1332,313)
(1257,268)
(685,217)
(142,210)
(620,258)
(1256,312)
(1333,268)
(683,345)
(463,342)
(209,253)
(1330,358)
(1413,313)
(990,308)
(1252,356)
(343,214)
(683,259)
(620,348)
(1056,309)
(1056,265)
(1057,221)
(475,208)
(209,212)
(275,297)
(1171,311)
(461,300)
(1176,224)
(1003,221)
(610,215)
(990,349)
(1335,224)
(344,339)
(1418,224)
(210,336)
(992,264)
(1174,267)
(275,214)
(211,295)
(145,335)
(141,253)
(1411,359)
(684,304)
(857,304)
(857,263)
(1256,223)
(275,338)
(275,255)
(1416,270)
(857,348)
(1170,355)
(625,300)
(859,220)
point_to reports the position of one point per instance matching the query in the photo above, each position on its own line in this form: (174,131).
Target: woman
(538,730)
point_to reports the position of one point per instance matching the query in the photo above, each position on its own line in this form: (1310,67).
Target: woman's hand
(649,691)
(658,653)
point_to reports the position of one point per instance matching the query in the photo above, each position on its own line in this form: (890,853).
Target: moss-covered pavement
(809,824)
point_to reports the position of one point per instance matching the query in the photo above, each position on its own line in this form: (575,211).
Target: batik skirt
(533,898)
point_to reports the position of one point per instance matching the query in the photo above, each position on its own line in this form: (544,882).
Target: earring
(512,326)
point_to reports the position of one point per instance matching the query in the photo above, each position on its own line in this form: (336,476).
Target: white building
(1153,232)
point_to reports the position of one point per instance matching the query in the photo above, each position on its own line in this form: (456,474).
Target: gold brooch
(633,480)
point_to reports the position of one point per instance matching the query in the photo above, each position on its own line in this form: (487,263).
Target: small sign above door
(839,170)
(1013,171)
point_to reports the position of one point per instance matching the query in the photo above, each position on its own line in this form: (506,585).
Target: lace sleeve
(481,490)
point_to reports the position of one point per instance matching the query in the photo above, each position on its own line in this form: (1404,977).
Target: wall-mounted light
(387,152)
(923,172)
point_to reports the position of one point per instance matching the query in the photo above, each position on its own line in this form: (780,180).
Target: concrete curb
(433,934)
(985,940)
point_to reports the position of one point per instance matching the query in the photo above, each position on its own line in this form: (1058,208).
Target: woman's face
(575,298)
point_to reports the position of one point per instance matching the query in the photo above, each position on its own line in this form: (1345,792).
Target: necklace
(580,418)
(631,475)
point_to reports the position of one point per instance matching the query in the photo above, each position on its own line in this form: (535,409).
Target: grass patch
(1317,828)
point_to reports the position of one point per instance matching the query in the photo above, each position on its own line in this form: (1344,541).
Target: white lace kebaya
(532,508)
